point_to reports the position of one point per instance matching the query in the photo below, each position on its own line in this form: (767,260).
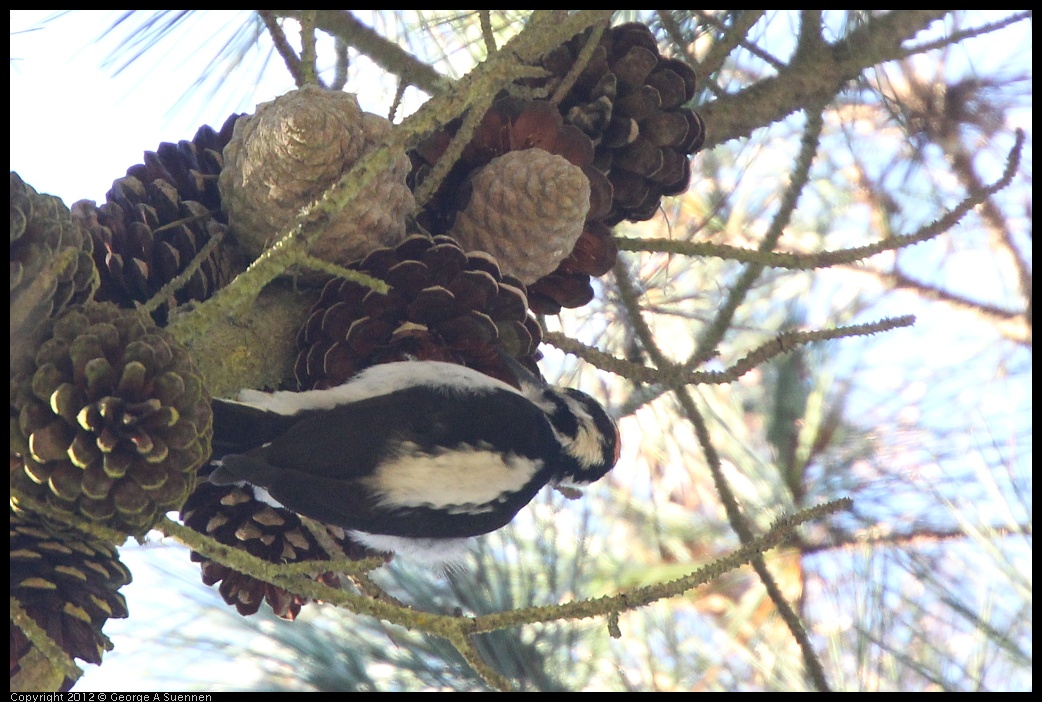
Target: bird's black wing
(345,441)
(339,465)
(239,427)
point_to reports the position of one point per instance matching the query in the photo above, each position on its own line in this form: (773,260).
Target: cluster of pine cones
(473,234)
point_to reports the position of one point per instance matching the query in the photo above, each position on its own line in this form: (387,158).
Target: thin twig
(282,45)
(812,76)
(740,40)
(730,38)
(451,627)
(385,54)
(677,376)
(925,538)
(166,293)
(343,64)
(354,276)
(634,598)
(807,261)
(707,341)
(425,190)
(55,654)
(669,23)
(465,645)
(706,347)
(399,93)
(308,51)
(963,34)
(579,66)
(90,528)
(485,19)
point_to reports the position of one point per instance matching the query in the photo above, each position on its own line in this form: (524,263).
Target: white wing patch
(430,552)
(463,479)
(378,380)
(262,495)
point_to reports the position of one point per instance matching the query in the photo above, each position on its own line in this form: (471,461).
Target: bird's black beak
(569,492)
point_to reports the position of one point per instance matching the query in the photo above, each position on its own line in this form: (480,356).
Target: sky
(68,110)
(73,104)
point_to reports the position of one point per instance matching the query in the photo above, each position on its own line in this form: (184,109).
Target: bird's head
(589,437)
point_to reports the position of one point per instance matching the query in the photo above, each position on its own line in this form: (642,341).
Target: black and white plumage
(415,455)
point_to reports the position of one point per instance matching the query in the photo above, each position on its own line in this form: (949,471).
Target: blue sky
(75,127)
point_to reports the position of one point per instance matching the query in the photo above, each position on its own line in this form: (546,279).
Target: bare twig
(669,23)
(713,333)
(452,627)
(812,76)
(580,63)
(485,18)
(706,346)
(925,538)
(166,293)
(465,645)
(343,64)
(730,38)
(399,93)
(425,190)
(282,45)
(56,656)
(963,34)
(308,52)
(807,261)
(677,376)
(738,34)
(385,54)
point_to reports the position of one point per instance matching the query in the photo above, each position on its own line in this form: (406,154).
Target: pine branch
(812,77)
(290,248)
(764,257)
(385,54)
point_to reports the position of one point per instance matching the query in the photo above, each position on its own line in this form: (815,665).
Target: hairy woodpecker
(413,457)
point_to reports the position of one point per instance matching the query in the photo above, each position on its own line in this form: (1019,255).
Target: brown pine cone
(51,266)
(443,305)
(510,126)
(233,517)
(68,583)
(527,209)
(157,218)
(113,422)
(290,152)
(630,101)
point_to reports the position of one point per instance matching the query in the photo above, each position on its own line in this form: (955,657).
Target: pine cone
(629,101)
(509,126)
(444,305)
(527,209)
(232,516)
(51,266)
(68,583)
(114,421)
(192,167)
(157,218)
(290,152)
